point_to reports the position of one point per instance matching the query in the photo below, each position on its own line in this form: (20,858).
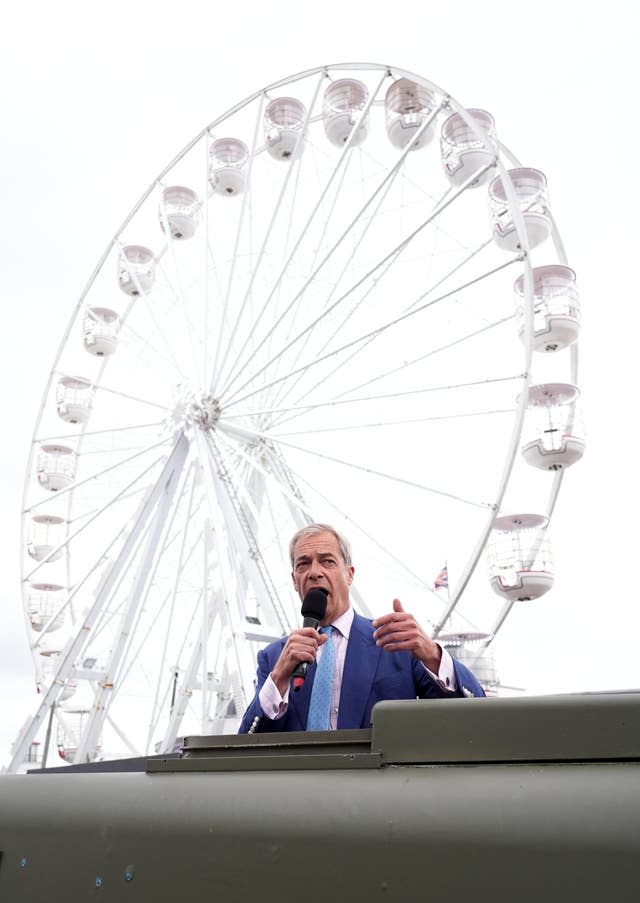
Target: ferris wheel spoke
(276,294)
(320,406)
(81,517)
(363,342)
(361,281)
(145,401)
(179,297)
(147,304)
(386,424)
(293,165)
(76,485)
(204,263)
(246,203)
(387,553)
(368,336)
(383,548)
(338,282)
(161,364)
(382,186)
(278,418)
(411,307)
(340,167)
(109,431)
(368,470)
(87,523)
(434,352)
(481,247)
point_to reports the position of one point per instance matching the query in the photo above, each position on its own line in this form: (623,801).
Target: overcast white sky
(98,98)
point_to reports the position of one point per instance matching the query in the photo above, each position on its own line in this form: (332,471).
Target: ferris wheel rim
(525,379)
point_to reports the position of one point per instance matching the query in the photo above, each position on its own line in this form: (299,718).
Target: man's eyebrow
(301,559)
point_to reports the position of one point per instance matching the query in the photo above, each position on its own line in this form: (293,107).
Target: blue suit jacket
(370,674)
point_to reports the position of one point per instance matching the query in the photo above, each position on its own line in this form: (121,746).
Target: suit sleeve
(468,683)
(429,688)
(254,709)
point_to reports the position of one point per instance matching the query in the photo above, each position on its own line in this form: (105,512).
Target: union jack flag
(442,580)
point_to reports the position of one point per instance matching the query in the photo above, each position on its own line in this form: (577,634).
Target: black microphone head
(314,604)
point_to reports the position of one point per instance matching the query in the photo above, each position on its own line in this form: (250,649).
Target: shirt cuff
(446,675)
(271,702)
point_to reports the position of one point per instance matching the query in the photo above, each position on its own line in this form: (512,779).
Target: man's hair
(313,530)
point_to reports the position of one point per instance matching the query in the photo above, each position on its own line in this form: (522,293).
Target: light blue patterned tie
(318,717)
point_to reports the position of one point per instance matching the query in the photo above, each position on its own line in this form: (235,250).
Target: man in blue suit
(389,658)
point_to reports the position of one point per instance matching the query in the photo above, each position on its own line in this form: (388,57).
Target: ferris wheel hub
(195,407)
(206,411)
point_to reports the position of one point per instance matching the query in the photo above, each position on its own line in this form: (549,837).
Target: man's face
(317,561)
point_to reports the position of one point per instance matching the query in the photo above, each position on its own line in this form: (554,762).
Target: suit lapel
(360,667)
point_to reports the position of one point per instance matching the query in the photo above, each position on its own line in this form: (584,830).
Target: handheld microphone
(314,606)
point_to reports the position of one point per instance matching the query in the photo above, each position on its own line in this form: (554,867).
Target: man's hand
(301,646)
(400,630)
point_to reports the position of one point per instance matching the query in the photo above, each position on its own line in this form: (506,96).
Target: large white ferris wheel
(344,301)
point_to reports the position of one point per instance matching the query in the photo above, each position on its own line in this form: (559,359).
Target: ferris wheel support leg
(47,739)
(77,642)
(72,651)
(224,501)
(272,473)
(232,546)
(122,735)
(164,493)
(185,691)
(213,606)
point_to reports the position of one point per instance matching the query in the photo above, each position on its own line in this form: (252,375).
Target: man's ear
(351,571)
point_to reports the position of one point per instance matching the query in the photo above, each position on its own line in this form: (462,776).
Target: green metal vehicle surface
(474,799)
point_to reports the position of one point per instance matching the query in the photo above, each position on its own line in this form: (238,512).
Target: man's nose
(315,570)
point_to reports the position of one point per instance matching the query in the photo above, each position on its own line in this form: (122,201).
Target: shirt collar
(344,622)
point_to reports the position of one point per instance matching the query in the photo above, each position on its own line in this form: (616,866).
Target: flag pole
(446,564)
